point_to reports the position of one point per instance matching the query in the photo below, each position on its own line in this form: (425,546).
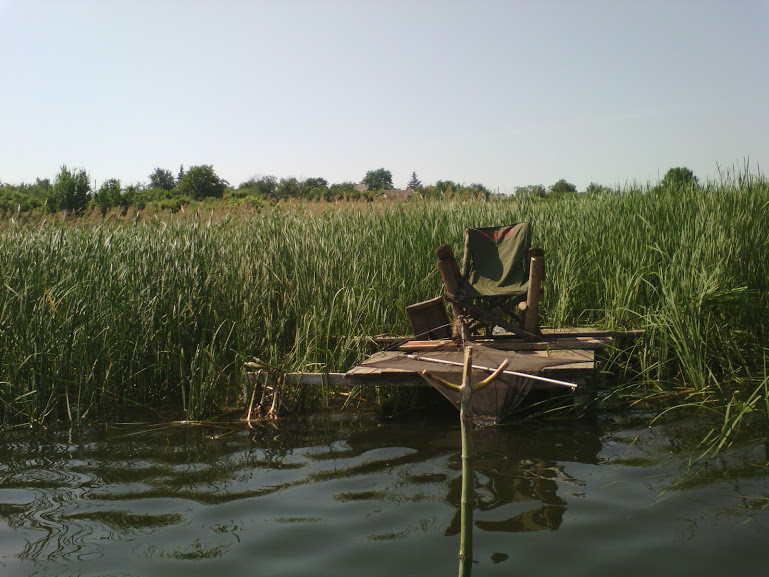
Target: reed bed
(103,315)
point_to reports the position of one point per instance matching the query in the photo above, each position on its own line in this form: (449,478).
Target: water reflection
(519,468)
(69,492)
(327,491)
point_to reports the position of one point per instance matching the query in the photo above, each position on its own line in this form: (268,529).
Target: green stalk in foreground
(466,500)
(466,421)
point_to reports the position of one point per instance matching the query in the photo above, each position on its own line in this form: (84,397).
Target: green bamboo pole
(466,500)
(466,391)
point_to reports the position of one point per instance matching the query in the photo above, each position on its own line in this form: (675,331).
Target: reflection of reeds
(147,312)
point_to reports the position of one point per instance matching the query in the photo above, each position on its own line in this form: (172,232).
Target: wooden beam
(449,271)
(548,334)
(578,343)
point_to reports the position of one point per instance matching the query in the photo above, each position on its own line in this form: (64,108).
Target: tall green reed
(103,315)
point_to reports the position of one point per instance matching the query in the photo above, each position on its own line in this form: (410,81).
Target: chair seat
(478,291)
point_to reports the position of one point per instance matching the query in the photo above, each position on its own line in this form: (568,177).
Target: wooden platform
(561,363)
(577,345)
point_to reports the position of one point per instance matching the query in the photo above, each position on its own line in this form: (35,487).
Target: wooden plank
(414,346)
(592,332)
(330,379)
(397,378)
(571,343)
(582,365)
(579,365)
(578,342)
(385,340)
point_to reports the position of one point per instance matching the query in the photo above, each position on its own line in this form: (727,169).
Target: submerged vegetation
(127,310)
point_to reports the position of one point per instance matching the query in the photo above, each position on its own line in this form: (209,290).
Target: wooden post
(449,271)
(522,312)
(466,255)
(536,276)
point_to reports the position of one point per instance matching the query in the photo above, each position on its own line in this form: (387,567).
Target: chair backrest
(498,261)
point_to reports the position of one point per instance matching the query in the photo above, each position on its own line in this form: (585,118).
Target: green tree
(679,177)
(131,196)
(288,188)
(341,190)
(531,190)
(561,187)
(414,184)
(109,194)
(15,199)
(314,188)
(445,186)
(70,190)
(162,178)
(476,190)
(378,180)
(38,194)
(595,188)
(265,186)
(201,182)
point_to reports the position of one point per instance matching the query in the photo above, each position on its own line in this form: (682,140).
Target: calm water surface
(352,495)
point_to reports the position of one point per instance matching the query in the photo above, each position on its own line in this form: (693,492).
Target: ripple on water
(363,497)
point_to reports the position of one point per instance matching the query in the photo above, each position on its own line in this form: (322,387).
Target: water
(355,495)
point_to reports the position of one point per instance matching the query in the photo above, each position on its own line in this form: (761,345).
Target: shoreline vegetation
(163,306)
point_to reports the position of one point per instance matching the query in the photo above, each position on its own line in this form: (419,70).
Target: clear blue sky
(504,93)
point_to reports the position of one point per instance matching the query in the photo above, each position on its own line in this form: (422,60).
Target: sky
(503,93)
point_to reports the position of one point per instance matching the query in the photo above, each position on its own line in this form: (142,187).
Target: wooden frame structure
(541,357)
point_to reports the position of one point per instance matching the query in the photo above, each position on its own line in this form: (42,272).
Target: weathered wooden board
(574,344)
(548,334)
(563,343)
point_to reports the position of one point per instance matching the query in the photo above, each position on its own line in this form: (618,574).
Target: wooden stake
(536,275)
(447,267)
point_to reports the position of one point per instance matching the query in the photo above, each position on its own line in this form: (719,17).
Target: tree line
(71,190)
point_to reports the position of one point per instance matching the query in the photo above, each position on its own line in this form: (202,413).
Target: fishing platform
(563,362)
(494,305)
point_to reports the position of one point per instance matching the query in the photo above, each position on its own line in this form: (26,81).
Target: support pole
(466,500)
(536,276)
(449,271)
(466,391)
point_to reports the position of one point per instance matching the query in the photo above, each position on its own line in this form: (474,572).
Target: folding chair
(501,275)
